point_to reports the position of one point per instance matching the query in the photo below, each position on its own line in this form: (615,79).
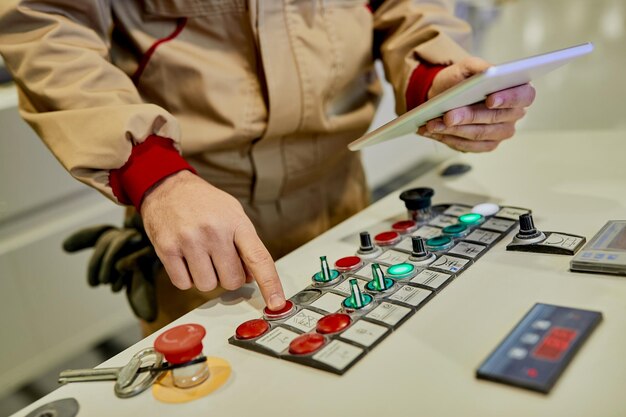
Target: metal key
(128,378)
(123,375)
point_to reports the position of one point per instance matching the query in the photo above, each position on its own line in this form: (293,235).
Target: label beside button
(277,340)
(391,257)
(410,295)
(431,279)
(483,236)
(304,320)
(364,333)
(388,313)
(470,250)
(425,232)
(338,354)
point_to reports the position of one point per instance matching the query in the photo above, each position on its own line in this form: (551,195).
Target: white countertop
(573,181)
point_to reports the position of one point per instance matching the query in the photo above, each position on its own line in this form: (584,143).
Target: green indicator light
(435,242)
(456,230)
(400,271)
(471,218)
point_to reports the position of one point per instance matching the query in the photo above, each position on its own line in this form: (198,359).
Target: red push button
(404,226)
(279,314)
(349,263)
(180,344)
(333,323)
(307,343)
(387,238)
(251,329)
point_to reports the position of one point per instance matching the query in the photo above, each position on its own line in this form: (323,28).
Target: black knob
(526,225)
(419,248)
(366,242)
(417,198)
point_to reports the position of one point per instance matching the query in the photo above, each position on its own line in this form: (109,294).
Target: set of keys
(136,376)
(143,369)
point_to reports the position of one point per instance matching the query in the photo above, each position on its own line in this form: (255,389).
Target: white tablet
(472,90)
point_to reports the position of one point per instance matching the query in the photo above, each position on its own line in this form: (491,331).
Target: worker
(225,123)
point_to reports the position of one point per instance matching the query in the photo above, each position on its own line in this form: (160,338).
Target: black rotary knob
(527,225)
(419,247)
(366,242)
(527,228)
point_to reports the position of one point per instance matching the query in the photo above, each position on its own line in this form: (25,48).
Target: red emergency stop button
(251,329)
(349,263)
(279,314)
(387,238)
(306,343)
(404,226)
(333,323)
(180,344)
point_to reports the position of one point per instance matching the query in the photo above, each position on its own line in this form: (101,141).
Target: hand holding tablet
(480,127)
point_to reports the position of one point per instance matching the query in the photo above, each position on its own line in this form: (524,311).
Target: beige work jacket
(261,96)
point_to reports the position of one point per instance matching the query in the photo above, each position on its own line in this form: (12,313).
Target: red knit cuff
(419,84)
(149,162)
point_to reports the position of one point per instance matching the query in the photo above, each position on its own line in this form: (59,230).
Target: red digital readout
(555,343)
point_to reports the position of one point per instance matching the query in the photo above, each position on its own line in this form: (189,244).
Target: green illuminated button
(471,219)
(401,271)
(455,230)
(439,243)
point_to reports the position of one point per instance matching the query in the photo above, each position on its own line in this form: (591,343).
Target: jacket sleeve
(86,110)
(413,33)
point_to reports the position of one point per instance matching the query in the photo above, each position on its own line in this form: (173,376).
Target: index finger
(259,262)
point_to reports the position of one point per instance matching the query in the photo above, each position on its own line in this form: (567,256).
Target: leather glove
(123,258)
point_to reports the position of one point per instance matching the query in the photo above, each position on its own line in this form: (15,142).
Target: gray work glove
(122,257)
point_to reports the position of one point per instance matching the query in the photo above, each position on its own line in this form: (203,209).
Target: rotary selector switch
(325,275)
(357,300)
(527,232)
(379,282)
(529,239)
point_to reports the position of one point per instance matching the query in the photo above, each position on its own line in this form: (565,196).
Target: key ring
(143,380)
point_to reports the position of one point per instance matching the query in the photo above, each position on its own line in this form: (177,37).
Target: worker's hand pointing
(204,238)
